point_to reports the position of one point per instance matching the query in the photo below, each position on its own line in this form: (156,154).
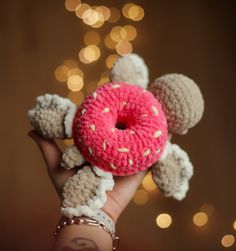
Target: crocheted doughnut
(120,128)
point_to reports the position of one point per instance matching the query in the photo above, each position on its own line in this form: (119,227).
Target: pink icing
(120,128)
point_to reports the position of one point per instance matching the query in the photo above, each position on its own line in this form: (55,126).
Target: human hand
(117,199)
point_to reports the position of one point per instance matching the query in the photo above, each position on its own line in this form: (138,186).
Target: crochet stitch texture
(181,101)
(120,128)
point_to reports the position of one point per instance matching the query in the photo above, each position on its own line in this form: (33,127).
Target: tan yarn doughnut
(72,157)
(85,192)
(173,171)
(181,100)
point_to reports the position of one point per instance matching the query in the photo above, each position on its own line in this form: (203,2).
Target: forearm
(82,238)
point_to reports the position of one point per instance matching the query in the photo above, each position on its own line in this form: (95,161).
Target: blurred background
(67,48)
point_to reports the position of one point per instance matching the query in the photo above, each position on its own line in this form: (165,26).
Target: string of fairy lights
(118,41)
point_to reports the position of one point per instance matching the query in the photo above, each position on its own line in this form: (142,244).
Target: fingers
(50,151)
(52,156)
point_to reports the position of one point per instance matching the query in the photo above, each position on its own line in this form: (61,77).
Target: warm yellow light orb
(200,219)
(80,9)
(70,63)
(207,208)
(126,8)
(163,220)
(124,48)
(76,97)
(136,13)
(131,32)
(111,60)
(75,71)
(75,83)
(148,183)
(90,17)
(61,73)
(72,4)
(115,15)
(234,225)
(227,240)
(140,197)
(89,54)
(110,44)
(91,38)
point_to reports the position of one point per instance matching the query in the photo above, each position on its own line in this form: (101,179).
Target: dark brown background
(196,38)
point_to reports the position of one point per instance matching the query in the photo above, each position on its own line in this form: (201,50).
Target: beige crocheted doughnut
(85,192)
(52,116)
(72,157)
(173,171)
(130,69)
(181,100)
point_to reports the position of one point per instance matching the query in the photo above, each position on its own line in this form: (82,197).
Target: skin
(81,237)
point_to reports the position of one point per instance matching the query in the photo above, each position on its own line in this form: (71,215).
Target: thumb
(49,149)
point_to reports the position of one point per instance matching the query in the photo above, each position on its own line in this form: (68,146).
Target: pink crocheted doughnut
(120,128)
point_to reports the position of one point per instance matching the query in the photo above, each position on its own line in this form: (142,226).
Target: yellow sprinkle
(157,134)
(112,166)
(106,109)
(124,103)
(154,109)
(132,132)
(83,111)
(158,150)
(115,86)
(131,162)
(113,129)
(147,153)
(90,150)
(95,95)
(123,150)
(104,145)
(93,127)
(144,115)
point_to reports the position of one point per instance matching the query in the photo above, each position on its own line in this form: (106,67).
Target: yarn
(181,101)
(72,157)
(85,192)
(173,171)
(120,128)
(52,116)
(130,69)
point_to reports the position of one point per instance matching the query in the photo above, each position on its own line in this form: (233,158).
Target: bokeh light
(76,97)
(114,15)
(80,9)
(75,83)
(90,17)
(91,38)
(148,183)
(227,240)
(70,63)
(72,4)
(126,8)
(110,60)
(163,220)
(109,43)
(140,197)
(200,219)
(124,48)
(89,54)
(61,73)
(131,32)
(234,225)
(208,209)
(136,13)
(75,71)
